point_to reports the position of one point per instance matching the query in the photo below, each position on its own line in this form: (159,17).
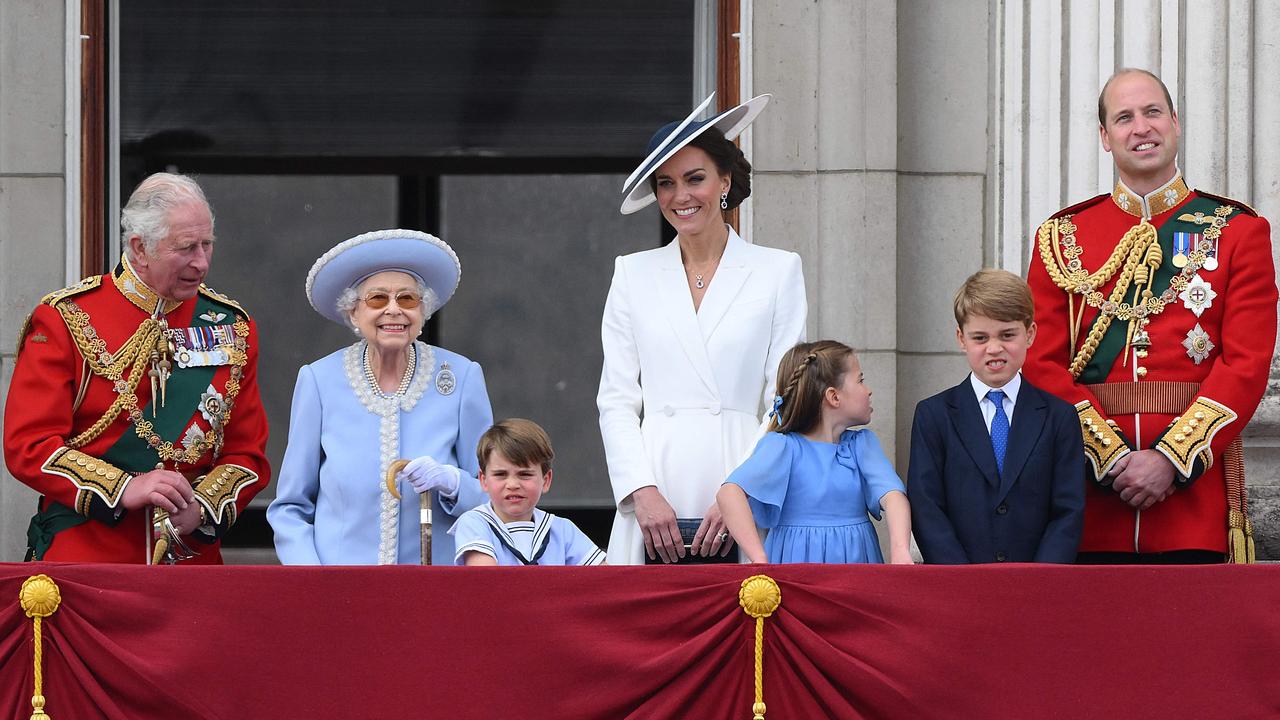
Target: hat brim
(636,191)
(350,261)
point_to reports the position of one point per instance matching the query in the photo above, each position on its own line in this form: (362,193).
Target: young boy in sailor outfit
(515,470)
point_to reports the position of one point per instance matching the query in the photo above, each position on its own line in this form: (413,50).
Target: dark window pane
(401,78)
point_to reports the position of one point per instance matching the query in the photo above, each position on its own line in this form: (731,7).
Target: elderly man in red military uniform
(1156,307)
(134,406)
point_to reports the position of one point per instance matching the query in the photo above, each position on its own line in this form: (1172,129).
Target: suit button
(668,410)
(1001,509)
(1000,557)
(715,408)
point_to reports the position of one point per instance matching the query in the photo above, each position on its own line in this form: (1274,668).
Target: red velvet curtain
(848,642)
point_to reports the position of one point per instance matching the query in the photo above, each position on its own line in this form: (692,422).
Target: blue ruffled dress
(814,497)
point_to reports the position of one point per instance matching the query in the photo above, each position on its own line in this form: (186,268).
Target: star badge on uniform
(1198,344)
(1198,295)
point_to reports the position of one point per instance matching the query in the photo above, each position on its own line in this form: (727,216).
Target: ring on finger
(723,536)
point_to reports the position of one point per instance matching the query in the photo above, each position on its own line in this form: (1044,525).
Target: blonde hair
(521,441)
(997,294)
(804,374)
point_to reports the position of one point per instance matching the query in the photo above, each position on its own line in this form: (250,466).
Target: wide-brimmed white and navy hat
(426,257)
(671,137)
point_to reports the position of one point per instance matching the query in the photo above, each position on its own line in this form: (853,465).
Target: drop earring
(724,200)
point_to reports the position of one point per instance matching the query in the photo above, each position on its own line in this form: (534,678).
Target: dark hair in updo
(728,159)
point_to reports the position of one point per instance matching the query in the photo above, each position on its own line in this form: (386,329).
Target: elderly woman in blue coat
(386,397)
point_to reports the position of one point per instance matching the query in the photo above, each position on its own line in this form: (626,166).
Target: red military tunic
(1211,325)
(79,420)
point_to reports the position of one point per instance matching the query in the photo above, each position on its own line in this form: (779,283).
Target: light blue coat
(330,489)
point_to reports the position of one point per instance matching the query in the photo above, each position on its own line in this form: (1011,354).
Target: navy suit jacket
(964,511)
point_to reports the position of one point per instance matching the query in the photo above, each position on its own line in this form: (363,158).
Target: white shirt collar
(1010,388)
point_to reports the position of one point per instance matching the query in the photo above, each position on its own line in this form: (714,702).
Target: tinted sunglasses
(406,300)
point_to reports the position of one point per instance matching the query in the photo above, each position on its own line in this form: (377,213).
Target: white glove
(425,474)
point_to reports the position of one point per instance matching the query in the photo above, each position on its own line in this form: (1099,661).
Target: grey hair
(146,214)
(349,297)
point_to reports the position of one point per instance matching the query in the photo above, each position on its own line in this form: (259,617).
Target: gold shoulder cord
(1137,256)
(108,365)
(135,354)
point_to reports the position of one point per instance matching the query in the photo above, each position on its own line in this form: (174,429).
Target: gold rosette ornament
(39,598)
(759,596)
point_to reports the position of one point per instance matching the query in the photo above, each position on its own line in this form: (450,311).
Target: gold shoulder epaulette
(83,286)
(1244,207)
(1079,206)
(219,297)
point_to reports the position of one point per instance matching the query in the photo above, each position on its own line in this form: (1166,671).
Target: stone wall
(32,200)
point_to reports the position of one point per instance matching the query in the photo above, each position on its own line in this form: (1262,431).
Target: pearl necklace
(404,381)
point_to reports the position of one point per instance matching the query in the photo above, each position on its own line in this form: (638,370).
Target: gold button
(1142,372)
(1179,437)
(1199,415)
(1141,354)
(1106,442)
(81,461)
(1186,428)
(1088,421)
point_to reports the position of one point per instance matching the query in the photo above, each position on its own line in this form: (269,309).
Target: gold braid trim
(1103,446)
(1191,434)
(217,491)
(89,474)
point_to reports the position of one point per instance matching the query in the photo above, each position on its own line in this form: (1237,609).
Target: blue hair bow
(777,406)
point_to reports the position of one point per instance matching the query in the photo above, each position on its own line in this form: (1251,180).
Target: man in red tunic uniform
(134,406)
(1156,307)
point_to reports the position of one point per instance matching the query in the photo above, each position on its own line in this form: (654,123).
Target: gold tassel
(759,597)
(39,598)
(1240,548)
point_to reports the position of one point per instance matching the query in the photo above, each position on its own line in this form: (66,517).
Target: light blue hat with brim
(672,137)
(426,257)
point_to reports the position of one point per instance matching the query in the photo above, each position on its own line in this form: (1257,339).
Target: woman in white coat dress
(692,334)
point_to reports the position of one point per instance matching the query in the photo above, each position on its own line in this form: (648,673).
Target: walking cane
(424,516)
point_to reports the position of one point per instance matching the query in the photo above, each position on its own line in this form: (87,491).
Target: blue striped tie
(999,428)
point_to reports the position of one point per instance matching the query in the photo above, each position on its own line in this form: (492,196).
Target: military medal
(1211,262)
(1198,344)
(1182,244)
(1198,295)
(213,317)
(445,381)
(202,346)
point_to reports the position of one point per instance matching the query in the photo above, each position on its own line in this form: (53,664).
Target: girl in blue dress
(812,480)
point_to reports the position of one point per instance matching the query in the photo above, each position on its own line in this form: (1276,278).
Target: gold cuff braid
(1103,446)
(90,475)
(1191,434)
(217,491)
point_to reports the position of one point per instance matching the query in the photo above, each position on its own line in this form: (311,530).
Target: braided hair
(804,374)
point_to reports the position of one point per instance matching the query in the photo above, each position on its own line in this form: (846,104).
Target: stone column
(825,182)
(32,200)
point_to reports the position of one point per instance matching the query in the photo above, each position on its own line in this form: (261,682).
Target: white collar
(541,532)
(1010,389)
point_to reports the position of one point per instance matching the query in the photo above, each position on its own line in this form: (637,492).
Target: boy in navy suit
(997,465)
